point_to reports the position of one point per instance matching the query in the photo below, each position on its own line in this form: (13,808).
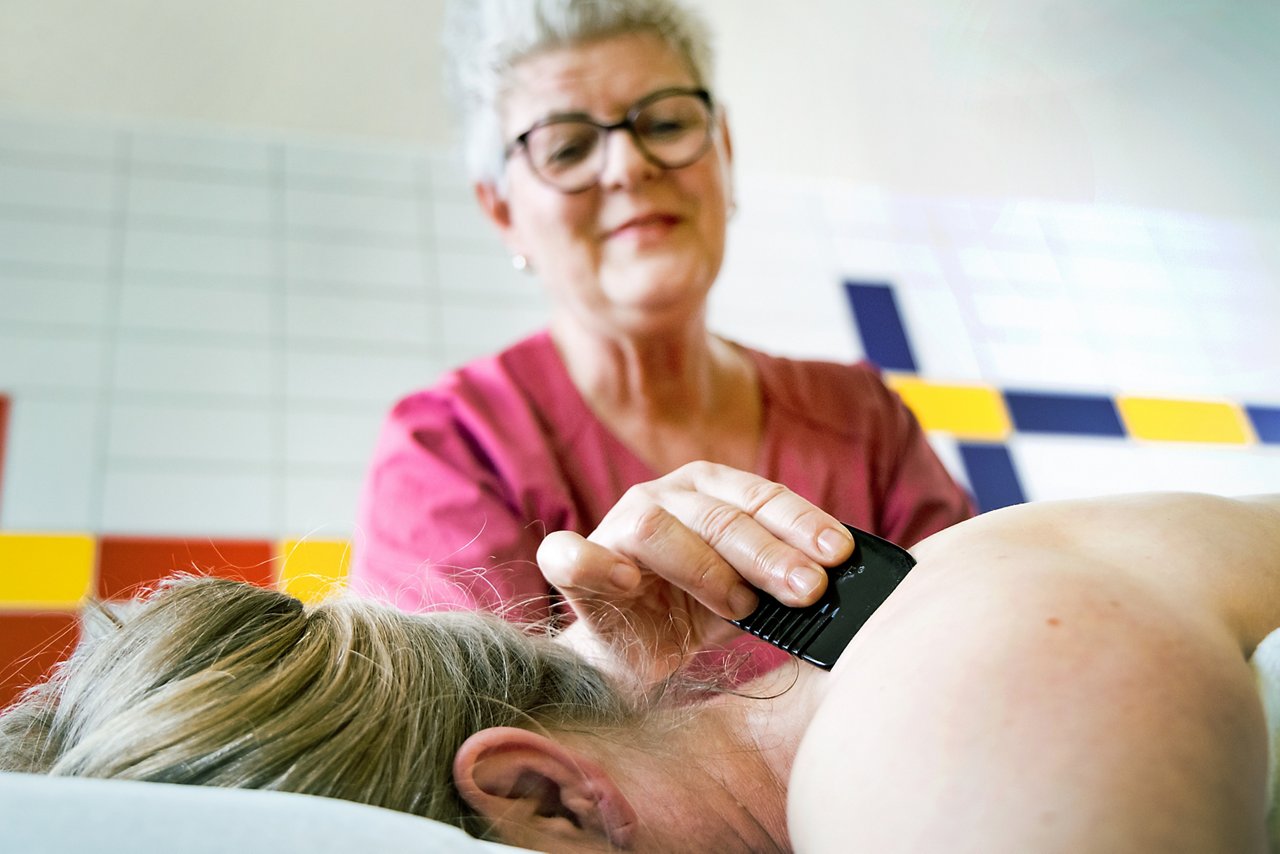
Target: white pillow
(75,814)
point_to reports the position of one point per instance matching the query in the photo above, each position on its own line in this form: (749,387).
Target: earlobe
(498,211)
(538,792)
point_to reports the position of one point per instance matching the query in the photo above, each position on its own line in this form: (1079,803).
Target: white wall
(231,233)
(1135,102)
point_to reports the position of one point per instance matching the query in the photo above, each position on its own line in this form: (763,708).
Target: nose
(625,165)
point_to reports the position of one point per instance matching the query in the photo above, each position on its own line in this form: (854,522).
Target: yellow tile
(969,412)
(46,571)
(313,569)
(1184,420)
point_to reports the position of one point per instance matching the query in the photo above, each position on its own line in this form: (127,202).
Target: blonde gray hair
(485,39)
(220,683)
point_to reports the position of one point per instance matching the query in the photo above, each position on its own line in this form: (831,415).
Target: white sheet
(1266,667)
(61,815)
(66,814)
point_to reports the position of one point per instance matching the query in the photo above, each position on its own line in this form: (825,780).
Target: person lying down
(1056,677)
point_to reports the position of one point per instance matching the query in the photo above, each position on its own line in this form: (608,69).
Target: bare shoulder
(1047,655)
(1209,553)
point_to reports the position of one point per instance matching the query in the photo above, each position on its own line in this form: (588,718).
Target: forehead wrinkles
(601,78)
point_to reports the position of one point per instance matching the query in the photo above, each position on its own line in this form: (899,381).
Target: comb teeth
(791,629)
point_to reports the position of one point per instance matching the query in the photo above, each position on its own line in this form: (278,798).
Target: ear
(726,143)
(537,792)
(497,210)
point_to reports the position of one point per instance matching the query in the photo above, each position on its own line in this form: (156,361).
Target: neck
(732,758)
(673,396)
(655,376)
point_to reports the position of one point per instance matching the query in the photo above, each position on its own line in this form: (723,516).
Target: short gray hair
(485,39)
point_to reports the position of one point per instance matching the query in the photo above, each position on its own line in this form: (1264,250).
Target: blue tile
(1086,415)
(1266,423)
(884,337)
(992,476)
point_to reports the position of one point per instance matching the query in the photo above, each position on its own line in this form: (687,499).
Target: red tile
(126,564)
(30,644)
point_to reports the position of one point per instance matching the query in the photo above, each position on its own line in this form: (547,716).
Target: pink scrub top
(468,476)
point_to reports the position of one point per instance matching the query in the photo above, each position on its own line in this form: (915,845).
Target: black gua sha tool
(818,633)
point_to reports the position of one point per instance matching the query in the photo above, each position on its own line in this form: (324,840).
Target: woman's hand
(651,584)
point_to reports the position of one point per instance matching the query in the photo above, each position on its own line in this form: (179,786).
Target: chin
(659,283)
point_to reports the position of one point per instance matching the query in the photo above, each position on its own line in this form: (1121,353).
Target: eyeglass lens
(672,131)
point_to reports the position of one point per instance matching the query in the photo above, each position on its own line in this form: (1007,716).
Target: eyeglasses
(670,127)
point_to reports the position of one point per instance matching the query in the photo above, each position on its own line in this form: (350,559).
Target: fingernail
(805,580)
(742,601)
(624,577)
(834,542)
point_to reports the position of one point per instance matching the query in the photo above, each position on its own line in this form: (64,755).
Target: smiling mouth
(645,224)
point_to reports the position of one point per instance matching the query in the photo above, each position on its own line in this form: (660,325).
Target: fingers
(571,563)
(780,511)
(707,528)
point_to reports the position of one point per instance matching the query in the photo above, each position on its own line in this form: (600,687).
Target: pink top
(468,476)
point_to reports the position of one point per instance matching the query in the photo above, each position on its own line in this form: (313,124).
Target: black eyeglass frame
(627,123)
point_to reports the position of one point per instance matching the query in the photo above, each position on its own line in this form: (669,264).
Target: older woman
(601,155)
(1050,678)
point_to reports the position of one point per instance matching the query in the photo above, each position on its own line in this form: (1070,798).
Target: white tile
(777,207)
(46,359)
(51,465)
(193,200)
(184,500)
(460,224)
(855,211)
(349,164)
(330,437)
(201,253)
(1045,363)
(489,276)
(1063,467)
(190,434)
(358,318)
(349,210)
(322,505)
(947,448)
(193,367)
(1105,276)
(82,189)
(471,331)
(176,308)
(867,258)
(355,377)
(1127,319)
(196,152)
(1085,227)
(940,338)
(447,176)
(57,243)
(351,264)
(1135,367)
(69,300)
(68,140)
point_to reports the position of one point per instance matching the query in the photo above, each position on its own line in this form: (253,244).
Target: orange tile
(128,564)
(30,644)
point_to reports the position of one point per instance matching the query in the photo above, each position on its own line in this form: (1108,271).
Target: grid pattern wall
(200,331)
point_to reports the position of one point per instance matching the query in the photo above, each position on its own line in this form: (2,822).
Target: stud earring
(520,262)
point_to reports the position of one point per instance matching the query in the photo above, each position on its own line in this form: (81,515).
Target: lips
(644,222)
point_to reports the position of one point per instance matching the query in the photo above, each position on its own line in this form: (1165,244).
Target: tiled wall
(200,331)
